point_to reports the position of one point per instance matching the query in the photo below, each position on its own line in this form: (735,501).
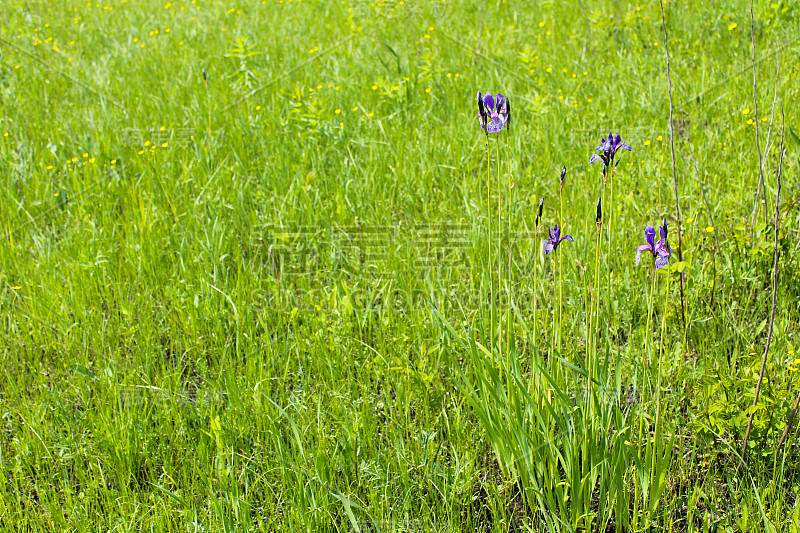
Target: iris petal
(650,236)
(496,125)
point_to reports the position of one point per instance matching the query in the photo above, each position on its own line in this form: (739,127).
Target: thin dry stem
(674,170)
(755,117)
(774,300)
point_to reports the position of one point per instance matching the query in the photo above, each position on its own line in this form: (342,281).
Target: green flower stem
(510,280)
(489,235)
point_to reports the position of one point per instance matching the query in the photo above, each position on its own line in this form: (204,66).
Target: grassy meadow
(262,270)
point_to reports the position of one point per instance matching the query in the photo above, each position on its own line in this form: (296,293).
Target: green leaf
(83,371)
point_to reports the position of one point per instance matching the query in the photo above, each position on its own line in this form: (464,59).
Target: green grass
(263,303)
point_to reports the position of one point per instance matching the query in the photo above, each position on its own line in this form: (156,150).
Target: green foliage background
(218,295)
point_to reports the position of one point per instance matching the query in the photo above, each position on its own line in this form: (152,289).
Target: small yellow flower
(589,100)
(689,220)
(548,32)
(113,161)
(458,75)
(371,115)
(647,142)
(541,24)
(659,138)
(355,108)
(164,144)
(336,88)
(428,90)
(395,87)
(147,143)
(49,167)
(764,119)
(427,36)
(85,155)
(338,111)
(74,159)
(5,134)
(140,152)
(750,121)
(746,111)
(732,26)
(374,87)
(341,124)
(91,160)
(17,287)
(710,229)
(258,108)
(549,69)
(564,70)
(449,75)
(561,97)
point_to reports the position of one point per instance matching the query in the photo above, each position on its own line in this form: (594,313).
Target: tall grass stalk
(560,266)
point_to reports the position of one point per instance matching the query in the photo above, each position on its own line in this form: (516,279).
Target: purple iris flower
(555,239)
(660,249)
(608,148)
(494,114)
